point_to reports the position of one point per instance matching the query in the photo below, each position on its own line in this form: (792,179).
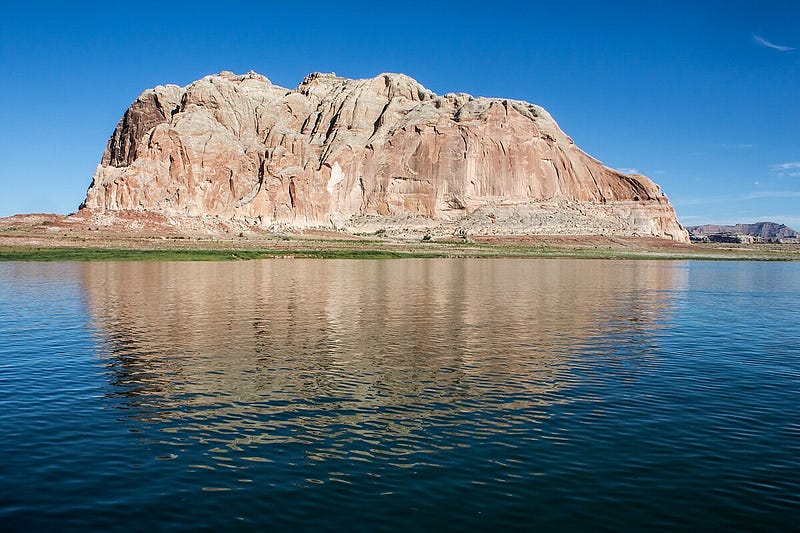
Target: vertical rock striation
(335,152)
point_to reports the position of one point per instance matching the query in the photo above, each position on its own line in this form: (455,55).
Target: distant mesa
(760,232)
(383,152)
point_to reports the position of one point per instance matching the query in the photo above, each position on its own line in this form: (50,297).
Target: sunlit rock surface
(355,154)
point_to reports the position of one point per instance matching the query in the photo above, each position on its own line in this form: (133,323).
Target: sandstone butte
(357,155)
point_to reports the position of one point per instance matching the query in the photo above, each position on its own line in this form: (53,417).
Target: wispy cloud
(792,169)
(735,146)
(791,165)
(694,218)
(759,40)
(701,200)
(629,170)
(771,194)
(756,195)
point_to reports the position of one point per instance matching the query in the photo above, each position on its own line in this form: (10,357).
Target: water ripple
(400,394)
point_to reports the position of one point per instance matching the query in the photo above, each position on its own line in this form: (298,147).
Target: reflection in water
(413,394)
(309,350)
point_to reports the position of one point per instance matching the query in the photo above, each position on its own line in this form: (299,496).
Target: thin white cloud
(757,195)
(771,194)
(791,165)
(688,202)
(759,40)
(737,146)
(629,170)
(790,169)
(690,218)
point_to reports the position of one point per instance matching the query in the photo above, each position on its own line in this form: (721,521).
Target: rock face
(760,231)
(345,153)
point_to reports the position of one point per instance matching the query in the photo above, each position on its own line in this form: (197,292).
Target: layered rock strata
(762,231)
(345,153)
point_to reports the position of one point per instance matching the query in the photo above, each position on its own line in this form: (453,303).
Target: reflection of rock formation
(392,337)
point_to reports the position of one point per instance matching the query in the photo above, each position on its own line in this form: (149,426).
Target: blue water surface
(402,394)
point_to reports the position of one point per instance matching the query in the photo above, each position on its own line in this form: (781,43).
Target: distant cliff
(342,153)
(760,231)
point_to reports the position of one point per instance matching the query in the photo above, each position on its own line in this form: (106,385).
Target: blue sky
(703,97)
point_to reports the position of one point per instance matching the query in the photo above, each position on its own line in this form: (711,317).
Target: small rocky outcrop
(342,153)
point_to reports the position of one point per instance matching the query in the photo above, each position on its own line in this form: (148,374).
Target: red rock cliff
(335,152)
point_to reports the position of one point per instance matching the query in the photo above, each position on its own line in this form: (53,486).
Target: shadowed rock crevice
(337,152)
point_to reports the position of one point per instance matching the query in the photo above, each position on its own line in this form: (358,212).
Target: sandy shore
(52,237)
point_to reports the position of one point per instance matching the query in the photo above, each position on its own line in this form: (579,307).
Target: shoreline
(219,250)
(45,237)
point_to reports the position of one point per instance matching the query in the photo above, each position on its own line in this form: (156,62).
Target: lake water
(401,394)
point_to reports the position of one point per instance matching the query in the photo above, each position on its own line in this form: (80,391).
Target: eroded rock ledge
(356,154)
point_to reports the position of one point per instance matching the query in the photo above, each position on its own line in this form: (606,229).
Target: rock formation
(348,153)
(757,232)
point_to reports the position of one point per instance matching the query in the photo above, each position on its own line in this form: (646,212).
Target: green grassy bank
(343,250)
